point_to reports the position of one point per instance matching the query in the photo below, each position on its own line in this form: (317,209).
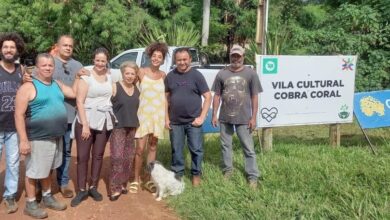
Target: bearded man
(11,73)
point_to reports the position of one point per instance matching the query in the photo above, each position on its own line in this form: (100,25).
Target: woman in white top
(93,125)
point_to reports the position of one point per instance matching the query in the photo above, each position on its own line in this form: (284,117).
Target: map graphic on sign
(372,109)
(370,106)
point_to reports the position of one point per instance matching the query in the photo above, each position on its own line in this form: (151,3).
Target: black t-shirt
(185,95)
(9,84)
(125,107)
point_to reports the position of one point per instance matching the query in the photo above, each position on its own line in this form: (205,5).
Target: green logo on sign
(343,114)
(270,65)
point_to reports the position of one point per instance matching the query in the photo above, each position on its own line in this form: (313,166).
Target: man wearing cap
(237,88)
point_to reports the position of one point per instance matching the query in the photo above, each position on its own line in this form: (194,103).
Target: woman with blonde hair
(125,101)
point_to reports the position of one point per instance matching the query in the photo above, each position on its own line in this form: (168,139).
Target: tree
(206,22)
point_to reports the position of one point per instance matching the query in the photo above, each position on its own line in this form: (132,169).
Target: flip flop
(150,186)
(133,187)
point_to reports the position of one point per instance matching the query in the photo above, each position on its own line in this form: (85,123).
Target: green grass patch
(302,178)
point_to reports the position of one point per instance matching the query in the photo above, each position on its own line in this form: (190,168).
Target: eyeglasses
(65,66)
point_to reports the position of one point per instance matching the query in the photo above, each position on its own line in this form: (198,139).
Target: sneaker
(195,181)
(50,202)
(10,204)
(95,194)
(253,184)
(32,209)
(66,192)
(80,196)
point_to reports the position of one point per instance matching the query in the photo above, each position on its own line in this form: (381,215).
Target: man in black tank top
(12,46)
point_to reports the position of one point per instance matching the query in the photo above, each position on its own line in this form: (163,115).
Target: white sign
(301,90)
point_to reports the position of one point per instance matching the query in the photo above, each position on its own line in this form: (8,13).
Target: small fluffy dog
(166,182)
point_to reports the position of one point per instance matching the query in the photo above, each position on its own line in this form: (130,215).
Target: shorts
(45,155)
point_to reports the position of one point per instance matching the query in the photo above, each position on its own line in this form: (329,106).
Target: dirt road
(130,206)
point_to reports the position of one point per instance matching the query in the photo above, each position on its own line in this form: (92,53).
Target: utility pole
(206,22)
(261,34)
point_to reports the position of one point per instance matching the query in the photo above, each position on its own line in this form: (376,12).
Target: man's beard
(9,60)
(236,65)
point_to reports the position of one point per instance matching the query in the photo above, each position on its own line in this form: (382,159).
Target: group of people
(42,112)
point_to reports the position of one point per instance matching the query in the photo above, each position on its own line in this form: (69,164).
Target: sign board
(372,109)
(302,90)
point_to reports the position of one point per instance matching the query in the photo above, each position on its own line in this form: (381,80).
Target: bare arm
(255,106)
(163,74)
(205,108)
(25,93)
(81,95)
(216,102)
(27,76)
(141,74)
(66,90)
(113,89)
(81,72)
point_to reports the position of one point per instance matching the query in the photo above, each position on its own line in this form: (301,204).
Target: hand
(27,77)
(198,121)
(168,124)
(86,132)
(24,147)
(214,121)
(252,124)
(83,72)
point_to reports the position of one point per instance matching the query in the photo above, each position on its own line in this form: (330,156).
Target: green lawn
(302,178)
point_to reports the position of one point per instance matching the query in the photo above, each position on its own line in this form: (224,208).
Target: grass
(302,178)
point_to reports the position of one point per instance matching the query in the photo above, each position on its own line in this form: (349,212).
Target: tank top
(97,104)
(46,116)
(125,107)
(9,84)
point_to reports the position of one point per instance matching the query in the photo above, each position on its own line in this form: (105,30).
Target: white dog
(165,181)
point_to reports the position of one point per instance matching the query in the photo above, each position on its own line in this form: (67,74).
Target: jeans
(195,144)
(10,140)
(63,170)
(246,140)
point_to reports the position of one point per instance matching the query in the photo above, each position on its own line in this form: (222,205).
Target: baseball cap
(237,49)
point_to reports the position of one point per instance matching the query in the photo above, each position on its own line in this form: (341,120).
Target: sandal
(150,186)
(133,187)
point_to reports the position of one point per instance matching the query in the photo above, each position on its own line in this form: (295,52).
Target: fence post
(334,135)
(267,139)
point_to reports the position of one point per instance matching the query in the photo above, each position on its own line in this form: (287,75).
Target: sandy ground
(130,206)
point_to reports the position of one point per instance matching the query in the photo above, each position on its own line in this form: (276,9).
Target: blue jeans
(195,144)
(10,140)
(63,170)
(246,140)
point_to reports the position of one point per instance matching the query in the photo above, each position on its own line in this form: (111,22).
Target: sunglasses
(65,66)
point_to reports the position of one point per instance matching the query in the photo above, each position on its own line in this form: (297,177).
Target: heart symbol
(269,114)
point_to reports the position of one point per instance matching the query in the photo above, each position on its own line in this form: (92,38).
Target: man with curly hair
(12,46)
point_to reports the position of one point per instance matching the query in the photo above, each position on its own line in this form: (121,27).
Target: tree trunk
(206,22)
